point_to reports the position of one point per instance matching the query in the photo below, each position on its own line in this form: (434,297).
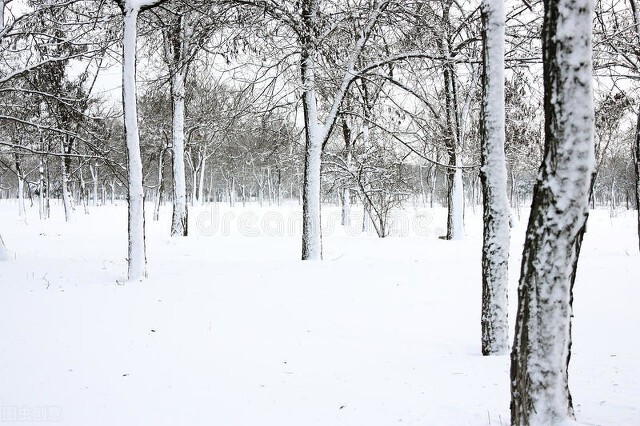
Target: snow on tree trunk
(314,137)
(346,191)
(22,211)
(66,195)
(42,210)
(94,180)
(311,228)
(455,189)
(455,201)
(2,2)
(542,345)
(493,174)
(179,219)
(156,207)
(203,164)
(137,256)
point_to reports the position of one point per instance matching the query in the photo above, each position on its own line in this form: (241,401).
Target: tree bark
(542,345)
(493,174)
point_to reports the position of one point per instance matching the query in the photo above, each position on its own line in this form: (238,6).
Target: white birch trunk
(542,345)
(493,173)
(179,220)
(136,249)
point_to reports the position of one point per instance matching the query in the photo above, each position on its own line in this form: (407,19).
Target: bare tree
(542,345)
(137,256)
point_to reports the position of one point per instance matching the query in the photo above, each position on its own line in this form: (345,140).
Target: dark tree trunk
(542,345)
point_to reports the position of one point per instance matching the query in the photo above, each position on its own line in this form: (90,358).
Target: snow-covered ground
(231,328)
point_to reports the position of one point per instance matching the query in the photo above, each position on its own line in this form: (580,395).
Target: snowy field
(232,329)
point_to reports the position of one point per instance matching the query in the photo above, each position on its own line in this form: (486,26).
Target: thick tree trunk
(542,345)
(493,174)
(136,250)
(314,137)
(179,220)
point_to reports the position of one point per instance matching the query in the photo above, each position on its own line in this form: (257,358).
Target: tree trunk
(635,8)
(66,195)
(4,253)
(203,167)
(455,190)
(160,187)
(136,244)
(314,137)
(83,193)
(179,221)
(637,168)
(493,174)
(542,345)
(22,211)
(94,179)
(348,158)
(42,208)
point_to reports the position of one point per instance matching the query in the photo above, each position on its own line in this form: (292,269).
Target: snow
(231,329)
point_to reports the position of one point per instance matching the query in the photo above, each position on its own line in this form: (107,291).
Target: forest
(491,127)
